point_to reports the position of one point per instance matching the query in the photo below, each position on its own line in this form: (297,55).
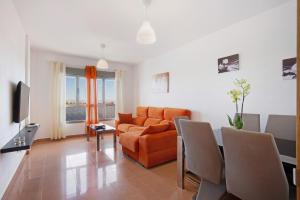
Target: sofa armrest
(117,123)
(158,141)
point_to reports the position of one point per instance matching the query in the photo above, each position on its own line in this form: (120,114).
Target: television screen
(21,102)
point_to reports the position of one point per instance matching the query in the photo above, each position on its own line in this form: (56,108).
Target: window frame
(78,104)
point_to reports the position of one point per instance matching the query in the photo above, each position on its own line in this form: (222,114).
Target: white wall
(12,70)
(41,72)
(261,41)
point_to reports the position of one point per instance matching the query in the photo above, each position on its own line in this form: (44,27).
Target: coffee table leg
(98,144)
(87,133)
(115,138)
(101,136)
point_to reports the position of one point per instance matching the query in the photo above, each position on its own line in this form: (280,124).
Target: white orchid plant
(237,95)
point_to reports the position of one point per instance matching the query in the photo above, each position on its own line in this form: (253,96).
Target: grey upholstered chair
(177,125)
(253,167)
(204,158)
(251,122)
(180,153)
(282,126)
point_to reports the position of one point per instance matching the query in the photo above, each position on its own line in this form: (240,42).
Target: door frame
(298,104)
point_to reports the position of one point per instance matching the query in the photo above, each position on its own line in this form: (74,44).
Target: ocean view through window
(76,95)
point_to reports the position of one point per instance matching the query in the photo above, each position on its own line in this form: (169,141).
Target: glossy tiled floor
(72,169)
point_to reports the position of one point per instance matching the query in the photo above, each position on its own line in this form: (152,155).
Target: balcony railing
(77,113)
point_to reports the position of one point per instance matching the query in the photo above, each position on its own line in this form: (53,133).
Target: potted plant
(238,94)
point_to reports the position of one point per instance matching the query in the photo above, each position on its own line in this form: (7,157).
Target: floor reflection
(71,183)
(77,173)
(76,160)
(106,175)
(83,180)
(111,153)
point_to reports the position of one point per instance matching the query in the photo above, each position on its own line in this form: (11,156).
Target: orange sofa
(151,138)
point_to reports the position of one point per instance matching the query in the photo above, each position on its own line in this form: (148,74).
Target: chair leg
(195,196)
(211,191)
(180,163)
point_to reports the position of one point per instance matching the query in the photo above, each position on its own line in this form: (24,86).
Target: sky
(71,89)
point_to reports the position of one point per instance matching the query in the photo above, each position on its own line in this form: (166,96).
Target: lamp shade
(102,64)
(146,34)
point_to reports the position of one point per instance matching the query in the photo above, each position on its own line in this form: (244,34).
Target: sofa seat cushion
(158,142)
(130,140)
(152,121)
(125,127)
(136,128)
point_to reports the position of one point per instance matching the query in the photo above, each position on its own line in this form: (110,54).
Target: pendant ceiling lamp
(146,34)
(102,63)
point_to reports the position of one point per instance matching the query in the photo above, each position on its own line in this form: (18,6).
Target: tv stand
(28,133)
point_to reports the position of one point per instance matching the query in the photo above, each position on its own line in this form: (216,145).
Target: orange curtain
(92,103)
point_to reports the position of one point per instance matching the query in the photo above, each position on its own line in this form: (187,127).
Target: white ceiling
(79,26)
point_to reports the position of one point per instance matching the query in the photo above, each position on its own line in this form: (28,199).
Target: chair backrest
(201,150)
(177,125)
(251,122)
(253,167)
(282,126)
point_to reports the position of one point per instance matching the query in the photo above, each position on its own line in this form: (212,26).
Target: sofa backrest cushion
(158,128)
(139,121)
(142,111)
(152,121)
(171,124)
(155,112)
(125,118)
(170,113)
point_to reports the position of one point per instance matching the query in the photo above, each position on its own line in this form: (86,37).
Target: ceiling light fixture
(102,63)
(146,34)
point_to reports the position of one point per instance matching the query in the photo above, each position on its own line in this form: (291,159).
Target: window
(75,98)
(106,98)
(71,88)
(109,98)
(82,90)
(76,95)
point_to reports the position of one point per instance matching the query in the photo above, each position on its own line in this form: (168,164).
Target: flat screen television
(21,102)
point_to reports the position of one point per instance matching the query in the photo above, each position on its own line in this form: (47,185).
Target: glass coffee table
(99,130)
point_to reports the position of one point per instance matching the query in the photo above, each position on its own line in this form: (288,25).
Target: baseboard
(45,140)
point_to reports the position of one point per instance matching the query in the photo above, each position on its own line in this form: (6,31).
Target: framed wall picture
(289,69)
(228,64)
(160,83)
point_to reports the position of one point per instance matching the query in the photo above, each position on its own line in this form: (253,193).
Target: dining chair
(180,153)
(177,124)
(204,158)
(251,121)
(282,126)
(253,167)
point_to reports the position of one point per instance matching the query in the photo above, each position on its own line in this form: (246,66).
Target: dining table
(286,148)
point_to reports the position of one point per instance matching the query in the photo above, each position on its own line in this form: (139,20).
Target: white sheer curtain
(119,78)
(58,100)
